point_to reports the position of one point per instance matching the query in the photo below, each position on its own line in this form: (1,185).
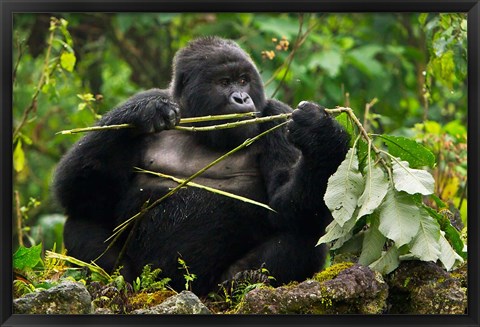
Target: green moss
(143,300)
(332,271)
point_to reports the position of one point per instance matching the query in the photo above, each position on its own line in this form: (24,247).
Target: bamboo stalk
(206,118)
(206,188)
(233,125)
(182,121)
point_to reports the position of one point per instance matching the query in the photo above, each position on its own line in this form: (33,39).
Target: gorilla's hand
(310,126)
(155,114)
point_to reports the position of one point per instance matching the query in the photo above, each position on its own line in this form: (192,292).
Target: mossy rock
(418,287)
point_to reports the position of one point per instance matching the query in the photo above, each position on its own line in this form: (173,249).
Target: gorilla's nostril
(238,100)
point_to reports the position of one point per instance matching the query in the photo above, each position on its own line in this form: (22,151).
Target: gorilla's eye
(224,81)
(243,81)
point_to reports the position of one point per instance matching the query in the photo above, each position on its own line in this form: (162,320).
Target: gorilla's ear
(178,84)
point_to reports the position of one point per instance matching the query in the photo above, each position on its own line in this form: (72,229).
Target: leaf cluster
(148,280)
(376,198)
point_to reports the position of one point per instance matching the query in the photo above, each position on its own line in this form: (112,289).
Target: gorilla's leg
(85,240)
(286,257)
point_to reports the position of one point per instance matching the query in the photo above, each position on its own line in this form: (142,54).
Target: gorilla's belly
(178,154)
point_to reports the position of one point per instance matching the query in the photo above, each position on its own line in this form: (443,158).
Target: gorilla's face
(213,76)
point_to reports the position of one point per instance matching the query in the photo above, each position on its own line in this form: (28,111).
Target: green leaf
(373,243)
(18,157)
(410,180)
(348,125)
(451,233)
(409,150)
(388,262)
(87,97)
(334,231)
(350,245)
(364,59)
(399,217)
(67,61)
(425,244)
(422,18)
(376,187)
(348,229)
(329,60)
(448,256)
(344,188)
(27,257)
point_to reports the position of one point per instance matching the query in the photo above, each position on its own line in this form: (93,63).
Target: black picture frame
(9,7)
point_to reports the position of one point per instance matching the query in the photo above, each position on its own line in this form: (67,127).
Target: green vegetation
(401,192)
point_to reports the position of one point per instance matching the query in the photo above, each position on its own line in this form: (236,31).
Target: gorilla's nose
(242,101)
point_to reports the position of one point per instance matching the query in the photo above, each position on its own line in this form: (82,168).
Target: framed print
(247,163)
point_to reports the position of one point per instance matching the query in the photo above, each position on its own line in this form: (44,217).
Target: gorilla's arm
(297,176)
(296,179)
(94,176)
(91,177)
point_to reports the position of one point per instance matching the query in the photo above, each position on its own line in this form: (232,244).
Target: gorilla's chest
(180,155)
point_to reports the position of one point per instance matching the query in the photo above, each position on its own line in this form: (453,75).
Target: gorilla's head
(213,76)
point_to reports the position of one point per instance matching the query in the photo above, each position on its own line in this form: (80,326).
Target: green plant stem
(217,117)
(210,189)
(364,133)
(45,72)
(202,119)
(182,121)
(300,39)
(19,218)
(95,128)
(233,125)
(92,266)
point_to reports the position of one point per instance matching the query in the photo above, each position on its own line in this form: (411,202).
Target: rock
(65,298)
(356,289)
(183,303)
(418,287)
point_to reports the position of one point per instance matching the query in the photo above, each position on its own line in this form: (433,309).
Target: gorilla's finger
(151,107)
(170,118)
(159,124)
(302,116)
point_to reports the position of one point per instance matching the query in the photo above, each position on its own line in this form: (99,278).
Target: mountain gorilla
(216,236)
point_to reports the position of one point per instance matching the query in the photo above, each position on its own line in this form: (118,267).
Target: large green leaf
(410,180)
(399,217)
(448,256)
(425,245)
(373,243)
(409,150)
(388,262)
(376,187)
(27,257)
(344,188)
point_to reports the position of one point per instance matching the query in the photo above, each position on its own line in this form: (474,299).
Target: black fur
(216,236)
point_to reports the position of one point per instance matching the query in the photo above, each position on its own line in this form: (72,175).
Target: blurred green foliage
(410,68)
